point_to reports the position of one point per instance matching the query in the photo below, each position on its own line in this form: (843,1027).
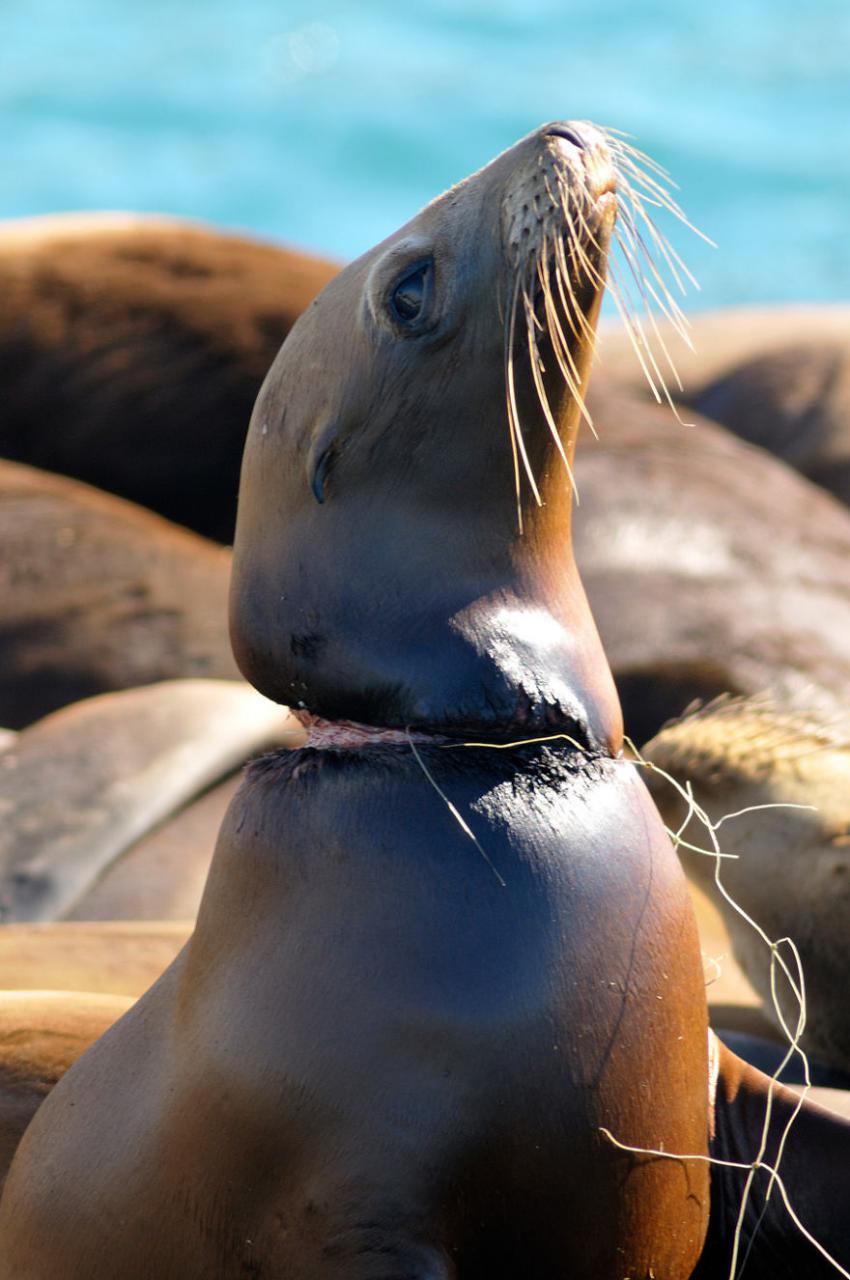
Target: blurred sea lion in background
(791,871)
(132,349)
(80,787)
(778,377)
(97,594)
(711,568)
(162,875)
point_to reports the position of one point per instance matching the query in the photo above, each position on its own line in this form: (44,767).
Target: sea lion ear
(323,451)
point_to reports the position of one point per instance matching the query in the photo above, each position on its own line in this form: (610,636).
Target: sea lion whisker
(671,257)
(618,144)
(537,369)
(662,382)
(592,269)
(530,313)
(566,205)
(572,310)
(559,342)
(627,226)
(633,332)
(568,308)
(513,411)
(622,296)
(636,162)
(634,258)
(645,286)
(559,338)
(592,272)
(652,187)
(633,209)
(631,206)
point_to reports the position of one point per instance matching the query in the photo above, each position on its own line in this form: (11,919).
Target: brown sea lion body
(427,977)
(98,594)
(716,570)
(162,876)
(778,377)
(117,766)
(388,1049)
(131,351)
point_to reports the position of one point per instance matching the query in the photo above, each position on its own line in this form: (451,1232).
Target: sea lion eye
(409,298)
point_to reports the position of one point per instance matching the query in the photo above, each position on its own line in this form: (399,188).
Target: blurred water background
(327,124)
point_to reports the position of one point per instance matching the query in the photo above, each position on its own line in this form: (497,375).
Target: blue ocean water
(327,124)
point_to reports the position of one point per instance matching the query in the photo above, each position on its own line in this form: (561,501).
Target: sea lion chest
(389,1051)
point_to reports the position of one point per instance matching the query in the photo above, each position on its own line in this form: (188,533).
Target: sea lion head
(403,552)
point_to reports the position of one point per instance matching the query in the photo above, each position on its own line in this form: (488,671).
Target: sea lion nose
(565,131)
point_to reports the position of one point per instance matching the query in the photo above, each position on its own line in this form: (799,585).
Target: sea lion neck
(403,554)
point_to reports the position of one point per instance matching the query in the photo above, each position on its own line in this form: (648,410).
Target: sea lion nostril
(564,131)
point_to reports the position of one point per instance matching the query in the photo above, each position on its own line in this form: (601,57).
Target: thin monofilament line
(657,1153)
(797,987)
(455,812)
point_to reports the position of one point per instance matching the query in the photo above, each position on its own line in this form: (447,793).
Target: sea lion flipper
(814,1167)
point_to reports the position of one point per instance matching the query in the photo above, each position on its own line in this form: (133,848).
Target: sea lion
(132,349)
(791,870)
(779,377)
(162,876)
(716,570)
(401,1045)
(118,765)
(795,402)
(98,594)
(389,1048)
